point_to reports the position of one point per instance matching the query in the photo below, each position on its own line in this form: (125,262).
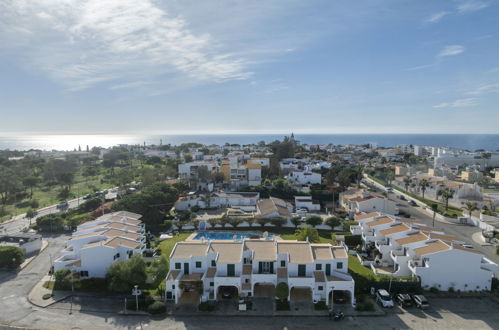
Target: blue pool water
(227,236)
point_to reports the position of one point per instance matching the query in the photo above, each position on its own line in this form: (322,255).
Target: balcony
(379,243)
(356,230)
(397,253)
(382,269)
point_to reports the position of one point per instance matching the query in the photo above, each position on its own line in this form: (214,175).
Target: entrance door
(186,268)
(328,269)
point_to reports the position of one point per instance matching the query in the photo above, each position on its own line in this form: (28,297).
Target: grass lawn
(49,285)
(48,195)
(324,237)
(355,266)
(166,246)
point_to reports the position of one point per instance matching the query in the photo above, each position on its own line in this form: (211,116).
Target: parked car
(467,246)
(87,196)
(404,300)
(384,298)
(389,189)
(339,297)
(413,203)
(62,205)
(401,197)
(420,301)
(301,211)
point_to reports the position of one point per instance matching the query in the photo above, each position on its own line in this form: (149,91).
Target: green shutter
(271,268)
(328,269)
(260,267)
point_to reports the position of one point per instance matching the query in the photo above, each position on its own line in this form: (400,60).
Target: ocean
(471,142)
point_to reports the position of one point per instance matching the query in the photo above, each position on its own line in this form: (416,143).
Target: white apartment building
(190,170)
(95,245)
(371,203)
(306,202)
(202,270)
(245,201)
(302,178)
(406,248)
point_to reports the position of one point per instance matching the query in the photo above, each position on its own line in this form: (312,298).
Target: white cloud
(451,50)
(471,6)
(469,102)
(485,89)
(83,43)
(437,17)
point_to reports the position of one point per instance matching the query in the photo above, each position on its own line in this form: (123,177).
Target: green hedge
(11,256)
(353,240)
(157,307)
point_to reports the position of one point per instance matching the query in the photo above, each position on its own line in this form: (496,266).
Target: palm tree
(423,184)
(446,194)
(434,208)
(407,183)
(296,221)
(470,207)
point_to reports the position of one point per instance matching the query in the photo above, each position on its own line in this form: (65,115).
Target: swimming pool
(227,236)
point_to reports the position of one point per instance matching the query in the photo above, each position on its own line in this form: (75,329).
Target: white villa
(202,270)
(406,248)
(95,245)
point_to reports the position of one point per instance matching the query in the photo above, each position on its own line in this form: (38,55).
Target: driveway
(301,294)
(264,290)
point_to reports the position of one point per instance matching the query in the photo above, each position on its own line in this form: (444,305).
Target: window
(169,295)
(84,273)
(212,283)
(173,286)
(318,267)
(339,265)
(213,263)
(283,263)
(321,288)
(116,256)
(249,294)
(178,265)
(265,267)
(328,269)
(231,270)
(198,264)
(302,270)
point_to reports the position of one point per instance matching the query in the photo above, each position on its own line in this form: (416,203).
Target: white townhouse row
(95,245)
(406,248)
(204,270)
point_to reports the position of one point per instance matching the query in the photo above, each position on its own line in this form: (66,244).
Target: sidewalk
(27,261)
(36,294)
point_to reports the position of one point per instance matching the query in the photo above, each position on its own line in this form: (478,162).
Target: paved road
(20,221)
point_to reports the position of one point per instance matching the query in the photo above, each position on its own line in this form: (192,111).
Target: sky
(237,66)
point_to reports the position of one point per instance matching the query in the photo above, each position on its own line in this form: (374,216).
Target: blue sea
(69,142)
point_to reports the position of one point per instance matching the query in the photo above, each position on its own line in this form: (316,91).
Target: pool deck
(191,236)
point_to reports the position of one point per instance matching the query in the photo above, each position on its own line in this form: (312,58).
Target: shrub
(282,305)
(353,240)
(314,220)
(195,208)
(320,306)
(282,291)
(434,290)
(50,222)
(333,222)
(307,232)
(47,296)
(364,304)
(497,250)
(451,289)
(157,307)
(206,307)
(94,284)
(11,256)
